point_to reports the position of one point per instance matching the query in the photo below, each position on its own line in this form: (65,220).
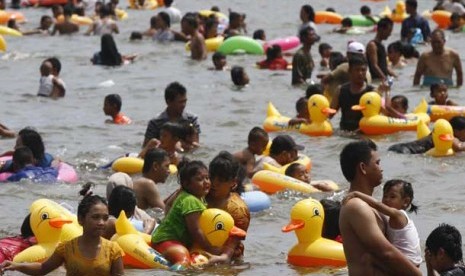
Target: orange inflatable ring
(322,17)
(442,18)
(7,15)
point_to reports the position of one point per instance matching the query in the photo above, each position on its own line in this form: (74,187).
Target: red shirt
(275,64)
(121,119)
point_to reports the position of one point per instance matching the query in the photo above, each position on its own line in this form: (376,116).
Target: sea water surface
(73,128)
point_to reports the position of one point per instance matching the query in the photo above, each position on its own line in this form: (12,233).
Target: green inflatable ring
(239,45)
(362,21)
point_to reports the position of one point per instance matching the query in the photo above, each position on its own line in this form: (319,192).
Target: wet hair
(210,23)
(259,34)
(402,99)
(309,11)
(406,191)
(22,156)
(234,16)
(191,20)
(225,167)
(301,104)
(384,23)
(346,22)
(175,129)
(332,210)
(11,23)
(32,139)
(153,156)
(45,17)
(353,154)
(457,123)
(411,3)
(335,58)
(395,47)
(122,198)
(433,87)
(323,47)
(187,129)
(153,21)
(114,99)
(135,36)
(165,17)
(364,10)
(313,89)
(105,10)
(56,64)
(46,68)
(26,230)
(188,169)
(357,60)
(448,238)
(273,52)
(256,133)
(237,75)
(304,32)
(215,8)
(168,3)
(89,200)
(218,56)
(330,9)
(174,90)
(455,16)
(440,32)
(292,168)
(109,52)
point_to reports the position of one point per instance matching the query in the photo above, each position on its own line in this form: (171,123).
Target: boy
(438,91)
(23,164)
(198,47)
(219,61)
(256,145)
(111,107)
(443,251)
(239,77)
(302,116)
(325,51)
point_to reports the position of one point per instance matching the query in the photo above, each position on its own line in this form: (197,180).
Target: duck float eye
(44,216)
(219,226)
(316,212)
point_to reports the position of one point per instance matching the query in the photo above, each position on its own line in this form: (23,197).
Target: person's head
(411,6)
(22,157)
(118,179)
(284,149)
(112,104)
(346,22)
(331,223)
(273,52)
(444,247)
(330,9)
(301,107)
(194,177)
(223,171)
(45,22)
(438,40)
(257,140)
(384,29)
(394,52)
(98,6)
(400,103)
(365,10)
(355,48)
(105,11)
(298,171)
(215,8)
(308,36)
(325,50)
(46,69)
(438,91)
(357,69)
(176,98)
(170,134)
(12,24)
(307,13)
(313,89)
(259,34)
(92,212)
(335,58)
(361,160)
(168,3)
(109,53)
(458,125)
(235,20)
(30,138)
(189,136)
(68,10)
(219,61)
(163,20)
(211,27)
(56,65)
(238,76)
(455,19)
(191,23)
(398,194)
(57,10)
(122,198)
(157,164)
(135,36)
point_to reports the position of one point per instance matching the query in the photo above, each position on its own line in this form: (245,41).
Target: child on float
(274,59)
(112,107)
(257,142)
(438,91)
(89,254)
(325,51)
(226,176)
(298,171)
(219,62)
(401,231)
(239,77)
(443,251)
(180,229)
(11,246)
(24,168)
(301,106)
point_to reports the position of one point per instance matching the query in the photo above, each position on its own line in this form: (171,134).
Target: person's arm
(6,132)
(363,223)
(335,102)
(150,144)
(149,225)
(152,196)
(192,222)
(55,29)
(91,29)
(58,88)
(457,145)
(419,71)
(117,267)
(180,36)
(458,69)
(34,268)
(197,48)
(372,56)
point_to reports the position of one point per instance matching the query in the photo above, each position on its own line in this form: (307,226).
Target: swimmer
(325,51)
(239,77)
(112,107)
(44,28)
(6,132)
(219,61)
(256,145)
(66,27)
(259,35)
(236,26)
(298,171)
(438,91)
(283,150)
(302,62)
(50,86)
(198,47)
(274,59)
(395,57)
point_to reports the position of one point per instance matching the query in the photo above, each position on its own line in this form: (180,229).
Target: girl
(227,175)
(274,59)
(109,54)
(401,232)
(89,254)
(438,91)
(180,227)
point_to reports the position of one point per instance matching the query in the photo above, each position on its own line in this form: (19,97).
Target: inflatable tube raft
(241,45)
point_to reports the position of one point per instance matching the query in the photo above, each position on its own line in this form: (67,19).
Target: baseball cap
(355,47)
(282,143)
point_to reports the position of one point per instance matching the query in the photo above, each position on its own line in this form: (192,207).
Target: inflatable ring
(44,3)
(224,19)
(211,43)
(2,44)
(9,31)
(303,159)
(361,21)
(444,111)
(240,45)
(286,44)
(5,16)
(327,17)
(132,165)
(121,14)
(312,250)
(76,19)
(256,201)
(443,137)
(442,18)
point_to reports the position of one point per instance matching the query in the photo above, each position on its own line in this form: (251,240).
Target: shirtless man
(256,144)
(437,65)
(367,250)
(155,170)
(65,26)
(198,47)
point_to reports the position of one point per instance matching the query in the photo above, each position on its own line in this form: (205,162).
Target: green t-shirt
(173,226)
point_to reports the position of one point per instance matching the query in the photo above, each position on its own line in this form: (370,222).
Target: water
(73,128)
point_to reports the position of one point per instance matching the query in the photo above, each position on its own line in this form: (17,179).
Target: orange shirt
(121,119)
(237,208)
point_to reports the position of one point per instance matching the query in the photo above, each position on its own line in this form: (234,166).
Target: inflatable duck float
(302,159)
(318,108)
(138,253)
(443,137)
(441,111)
(46,224)
(312,250)
(399,13)
(132,165)
(2,44)
(374,123)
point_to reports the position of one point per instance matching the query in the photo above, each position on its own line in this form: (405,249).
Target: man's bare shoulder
(243,156)
(355,206)
(143,183)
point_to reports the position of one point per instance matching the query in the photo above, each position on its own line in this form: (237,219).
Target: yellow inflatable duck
(422,130)
(76,19)
(138,253)
(399,13)
(312,250)
(441,111)
(46,224)
(318,108)
(443,137)
(2,44)
(374,123)
(303,159)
